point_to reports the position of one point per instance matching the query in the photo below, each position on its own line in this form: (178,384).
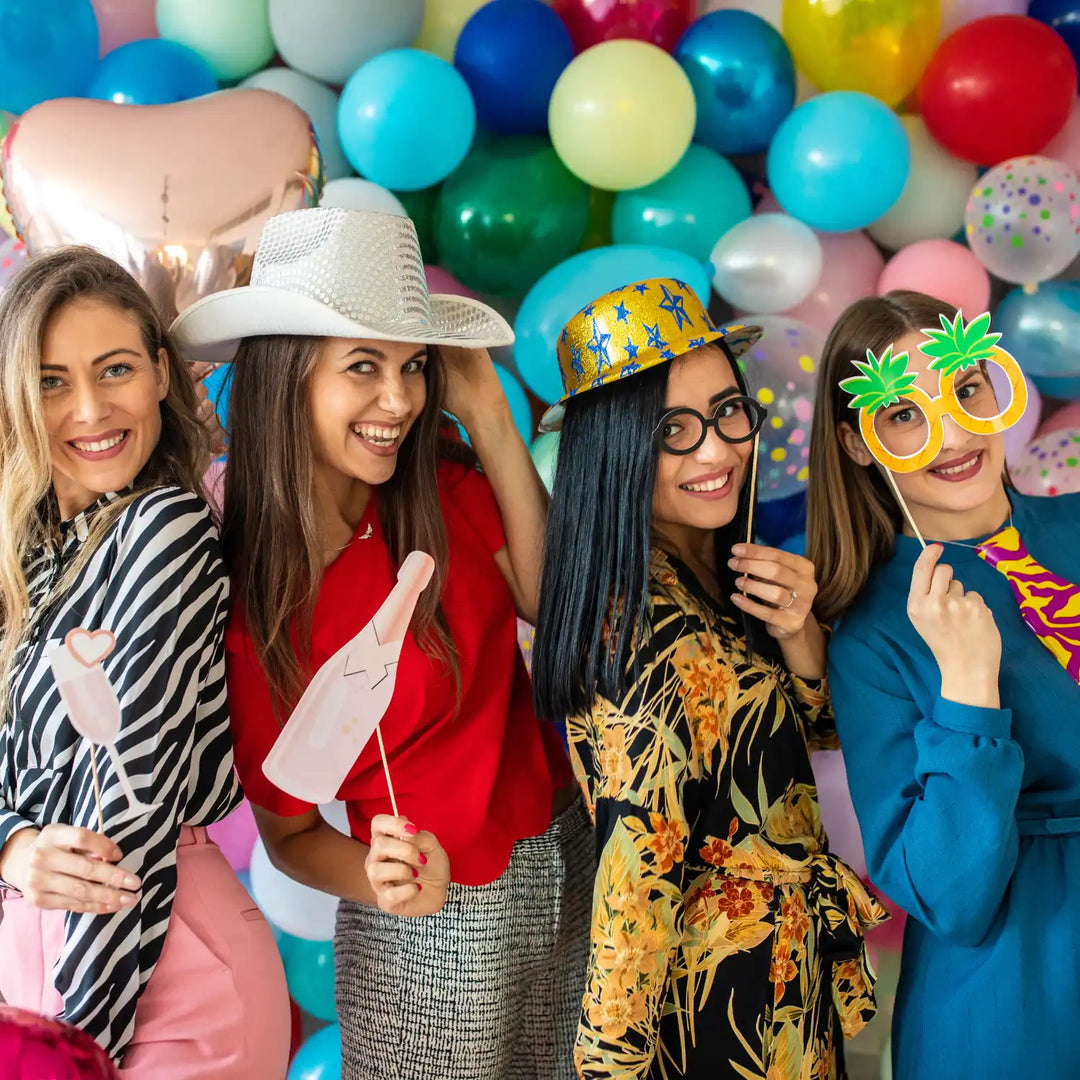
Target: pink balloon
(121,21)
(837,813)
(1065,419)
(955,13)
(442,281)
(214,484)
(236,836)
(1065,145)
(851,268)
(939,268)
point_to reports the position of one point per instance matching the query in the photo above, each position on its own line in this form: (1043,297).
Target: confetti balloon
(1023,219)
(1050,465)
(781,372)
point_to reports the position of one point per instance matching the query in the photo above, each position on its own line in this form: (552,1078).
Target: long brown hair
(271,531)
(851,515)
(27,509)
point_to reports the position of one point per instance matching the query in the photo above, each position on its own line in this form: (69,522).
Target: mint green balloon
(232,36)
(545,455)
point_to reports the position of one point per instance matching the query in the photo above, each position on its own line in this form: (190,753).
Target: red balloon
(296,1037)
(659,21)
(998,88)
(33,1047)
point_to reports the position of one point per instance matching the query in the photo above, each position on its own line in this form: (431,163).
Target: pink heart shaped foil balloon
(178,194)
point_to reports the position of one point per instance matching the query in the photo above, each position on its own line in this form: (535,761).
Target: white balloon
(335,814)
(353,193)
(321,105)
(767,263)
(931,206)
(290,906)
(330,39)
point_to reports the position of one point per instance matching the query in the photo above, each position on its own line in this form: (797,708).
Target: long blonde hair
(27,508)
(851,515)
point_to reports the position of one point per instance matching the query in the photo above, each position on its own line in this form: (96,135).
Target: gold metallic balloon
(178,194)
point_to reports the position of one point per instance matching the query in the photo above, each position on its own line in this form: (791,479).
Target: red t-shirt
(480,777)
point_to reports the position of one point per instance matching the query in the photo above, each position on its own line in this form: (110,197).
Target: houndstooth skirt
(490,988)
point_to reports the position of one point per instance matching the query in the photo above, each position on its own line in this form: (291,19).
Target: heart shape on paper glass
(89,647)
(177,194)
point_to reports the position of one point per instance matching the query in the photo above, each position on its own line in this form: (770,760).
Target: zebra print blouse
(157,582)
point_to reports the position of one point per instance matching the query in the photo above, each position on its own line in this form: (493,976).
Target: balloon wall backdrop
(784,158)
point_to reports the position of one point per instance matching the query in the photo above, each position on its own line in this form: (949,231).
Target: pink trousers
(216,1004)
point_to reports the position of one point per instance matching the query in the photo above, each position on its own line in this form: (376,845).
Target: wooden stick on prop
(904,506)
(386,769)
(753,493)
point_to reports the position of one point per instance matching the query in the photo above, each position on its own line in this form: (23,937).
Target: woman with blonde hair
(119,916)
(957,722)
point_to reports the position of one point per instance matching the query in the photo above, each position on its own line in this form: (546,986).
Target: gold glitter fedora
(632,329)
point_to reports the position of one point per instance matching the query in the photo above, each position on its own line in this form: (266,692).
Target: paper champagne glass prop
(885,391)
(341,708)
(92,705)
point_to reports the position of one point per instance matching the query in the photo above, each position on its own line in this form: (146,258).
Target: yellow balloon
(879,47)
(622,114)
(443,22)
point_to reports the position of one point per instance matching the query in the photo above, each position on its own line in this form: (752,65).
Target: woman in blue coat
(960,726)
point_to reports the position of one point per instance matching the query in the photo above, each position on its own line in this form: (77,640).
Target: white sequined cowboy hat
(329,272)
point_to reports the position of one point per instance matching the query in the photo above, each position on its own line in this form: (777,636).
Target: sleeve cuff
(10,824)
(973,719)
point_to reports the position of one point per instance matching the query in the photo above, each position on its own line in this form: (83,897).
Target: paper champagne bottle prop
(341,708)
(1049,605)
(92,705)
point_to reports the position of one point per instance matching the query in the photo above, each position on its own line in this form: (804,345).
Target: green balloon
(232,36)
(509,213)
(598,232)
(420,206)
(545,455)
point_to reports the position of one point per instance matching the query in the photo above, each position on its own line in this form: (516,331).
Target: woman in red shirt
(337,470)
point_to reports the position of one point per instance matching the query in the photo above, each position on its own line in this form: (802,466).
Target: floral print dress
(726,940)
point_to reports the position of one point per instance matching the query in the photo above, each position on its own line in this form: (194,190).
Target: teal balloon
(562,292)
(217,389)
(319,1057)
(1041,330)
(689,209)
(508,214)
(520,408)
(545,455)
(309,973)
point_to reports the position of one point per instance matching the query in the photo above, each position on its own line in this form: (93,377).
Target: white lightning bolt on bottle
(343,704)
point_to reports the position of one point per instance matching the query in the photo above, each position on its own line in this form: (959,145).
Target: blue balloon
(1063,16)
(511,53)
(319,1057)
(406,119)
(217,385)
(48,49)
(839,161)
(780,519)
(689,209)
(563,291)
(743,79)
(152,72)
(1042,330)
(795,544)
(309,973)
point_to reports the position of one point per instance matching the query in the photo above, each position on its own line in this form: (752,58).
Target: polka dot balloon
(1050,465)
(1023,219)
(781,372)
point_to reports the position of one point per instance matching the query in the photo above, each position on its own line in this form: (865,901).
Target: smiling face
(365,397)
(101,398)
(700,490)
(966,473)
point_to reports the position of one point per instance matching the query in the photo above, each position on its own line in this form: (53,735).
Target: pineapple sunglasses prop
(954,349)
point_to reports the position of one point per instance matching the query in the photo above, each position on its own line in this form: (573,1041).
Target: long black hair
(594,599)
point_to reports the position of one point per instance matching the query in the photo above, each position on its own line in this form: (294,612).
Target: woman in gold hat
(726,939)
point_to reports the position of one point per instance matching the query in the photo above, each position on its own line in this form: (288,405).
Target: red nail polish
(411,829)
(415,872)
(419,887)
(423,859)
